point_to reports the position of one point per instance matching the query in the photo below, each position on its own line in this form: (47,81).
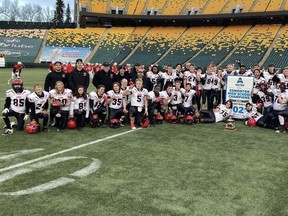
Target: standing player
(38,104)
(16,105)
(16,72)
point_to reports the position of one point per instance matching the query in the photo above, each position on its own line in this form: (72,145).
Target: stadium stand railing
(191,42)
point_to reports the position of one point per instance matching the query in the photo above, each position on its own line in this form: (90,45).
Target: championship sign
(239,91)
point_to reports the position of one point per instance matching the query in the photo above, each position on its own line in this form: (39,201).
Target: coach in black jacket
(56,75)
(79,76)
(104,77)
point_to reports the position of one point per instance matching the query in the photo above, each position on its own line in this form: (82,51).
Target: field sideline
(166,170)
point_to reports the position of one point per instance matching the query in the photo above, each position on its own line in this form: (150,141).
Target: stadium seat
(196,4)
(174,7)
(274,5)
(134,38)
(233,3)
(214,7)
(88,37)
(158,40)
(191,42)
(136,7)
(253,47)
(279,53)
(99,6)
(220,46)
(261,6)
(112,43)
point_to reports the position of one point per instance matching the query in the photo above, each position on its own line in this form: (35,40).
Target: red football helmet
(32,128)
(114,123)
(173,119)
(71,124)
(56,103)
(286,124)
(181,119)
(145,122)
(167,116)
(259,105)
(94,121)
(159,118)
(17,85)
(189,119)
(251,122)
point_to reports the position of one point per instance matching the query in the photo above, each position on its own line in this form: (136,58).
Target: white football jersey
(216,83)
(190,78)
(257,83)
(168,78)
(165,95)
(79,104)
(38,101)
(223,113)
(18,100)
(254,114)
(137,96)
(177,96)
(153,77)
(267,100)
(117,102)
(188,96)
(208,81)
(283,79)
(67,94)
(97,100)
(152,96)
(276,105)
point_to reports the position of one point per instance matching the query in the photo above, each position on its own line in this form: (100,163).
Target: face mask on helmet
(114,123)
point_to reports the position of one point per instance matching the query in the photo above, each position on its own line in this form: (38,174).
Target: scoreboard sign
(239,91)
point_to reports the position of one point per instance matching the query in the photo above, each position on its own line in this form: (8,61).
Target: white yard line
(65,151)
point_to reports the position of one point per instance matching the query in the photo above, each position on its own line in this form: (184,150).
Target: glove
(26,117)
(6,110)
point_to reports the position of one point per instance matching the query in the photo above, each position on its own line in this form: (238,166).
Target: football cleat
(12,124)
(8,132)
(132,125)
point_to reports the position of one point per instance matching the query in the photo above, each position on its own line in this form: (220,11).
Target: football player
(154,103)
(16,104)
(62,94)
(187,95)
(139,103)
(97,104)
(16,72)
(116,103)
(79,107)
(38,103)
(176,102)
(251,112)
(220,113)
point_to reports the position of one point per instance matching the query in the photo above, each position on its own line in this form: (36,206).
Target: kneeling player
(79,107)
(16,105)
(139,104)
(38,103)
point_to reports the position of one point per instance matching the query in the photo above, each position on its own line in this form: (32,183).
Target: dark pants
(115,113)
(208,116)
(187,110)
(18,116)
(41,116)
(101,112)
(207,97)
(80,118)
(135,113)
(217,95)
(61,122)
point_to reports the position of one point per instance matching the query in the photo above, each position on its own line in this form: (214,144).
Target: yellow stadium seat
(174,7)
(215,6)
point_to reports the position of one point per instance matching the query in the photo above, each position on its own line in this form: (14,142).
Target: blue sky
(45,3)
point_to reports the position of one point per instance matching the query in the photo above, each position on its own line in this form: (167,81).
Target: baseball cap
(106,64)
